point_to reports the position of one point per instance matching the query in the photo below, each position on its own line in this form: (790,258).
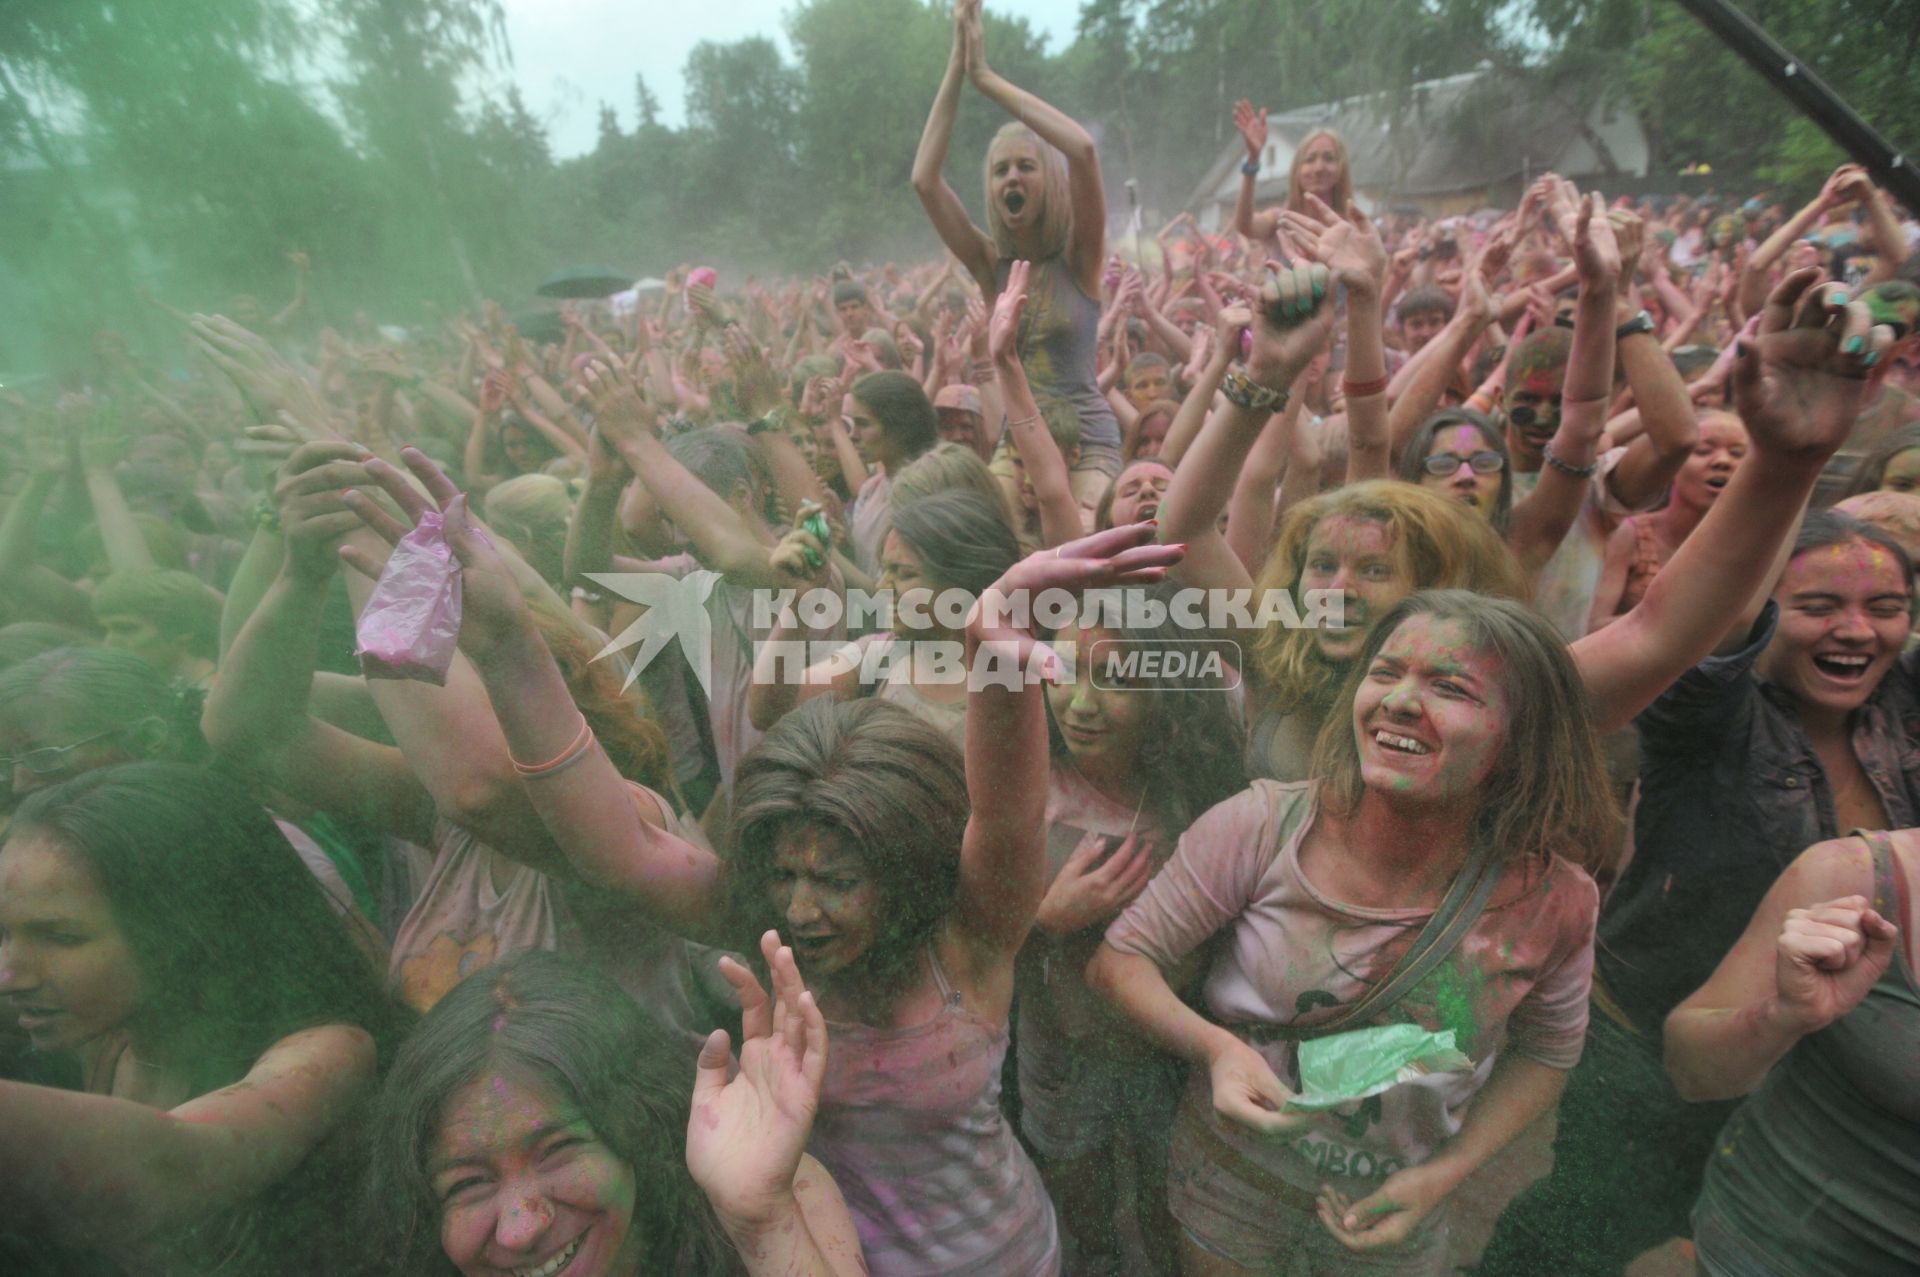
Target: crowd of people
(1590,786)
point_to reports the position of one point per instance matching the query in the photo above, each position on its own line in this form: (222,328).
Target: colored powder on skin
(1456,992)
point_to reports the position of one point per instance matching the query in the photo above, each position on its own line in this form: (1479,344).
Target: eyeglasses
(1442,464)
(52,759)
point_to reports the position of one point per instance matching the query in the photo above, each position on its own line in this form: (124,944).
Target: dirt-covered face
(1362,560)
(525,1186)
(827,900)
(1431,716)
(1717,453)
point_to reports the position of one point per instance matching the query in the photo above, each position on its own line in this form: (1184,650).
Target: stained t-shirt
(1518,981)
(478,907)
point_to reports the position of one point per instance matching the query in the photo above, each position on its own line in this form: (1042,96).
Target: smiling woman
(535,1123)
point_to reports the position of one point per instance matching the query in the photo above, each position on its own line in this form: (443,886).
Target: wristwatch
(1640,323)
(1250,394)
(1250,167)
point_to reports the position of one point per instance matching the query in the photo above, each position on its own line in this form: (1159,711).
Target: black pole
(1800,86)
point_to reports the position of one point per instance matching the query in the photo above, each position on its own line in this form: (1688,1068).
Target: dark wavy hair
(900,405)
(551,1022)
(891,784)
(237,947)
(1191,751)
(90,690)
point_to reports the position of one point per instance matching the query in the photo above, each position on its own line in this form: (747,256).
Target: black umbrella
(585,281)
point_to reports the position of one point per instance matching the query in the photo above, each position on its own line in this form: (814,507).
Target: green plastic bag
(1347,1067)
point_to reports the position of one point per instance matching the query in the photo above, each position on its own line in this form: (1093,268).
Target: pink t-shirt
(872,516)
(479,906)
(1518,981)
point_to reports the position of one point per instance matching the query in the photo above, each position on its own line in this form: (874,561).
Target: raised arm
(1541,521)
(1797,390)
(1753,276)
(1258,227)
(256,715)
(723,538)
(1350,248)
(582,799)
(747,1135)
(1292,324)
(1003,857)
(949,216)
(1087,246)
(1810,954)
(1046,468)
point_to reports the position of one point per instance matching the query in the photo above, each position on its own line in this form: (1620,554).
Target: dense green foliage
(195,143)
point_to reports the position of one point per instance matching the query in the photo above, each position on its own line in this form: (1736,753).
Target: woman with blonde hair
(1045,205)
(1319,168)
(1375,543)
(532,511)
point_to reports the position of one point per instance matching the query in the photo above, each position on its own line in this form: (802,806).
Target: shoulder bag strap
(1465,900)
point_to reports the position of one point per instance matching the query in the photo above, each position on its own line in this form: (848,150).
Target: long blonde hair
(1055,222)
(1342,191)
(1448,546)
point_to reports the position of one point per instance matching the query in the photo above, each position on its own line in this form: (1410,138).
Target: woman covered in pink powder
(1429,874)
(904,881)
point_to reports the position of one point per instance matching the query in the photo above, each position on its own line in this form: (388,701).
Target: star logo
(676,606)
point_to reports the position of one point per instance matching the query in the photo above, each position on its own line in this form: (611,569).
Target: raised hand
(495,389)
(1595,253)
(1003,330)
(801,553)
(1126,555)
(755,384)
(1839,185)
(314,515)
(1252,125)
(747,1131)
(1629,232)
(493,609)
(973,27)
(1350,249)
(1828,957)
(1291,323)
(1798,383)
(619,411)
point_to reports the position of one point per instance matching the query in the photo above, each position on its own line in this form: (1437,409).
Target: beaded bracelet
(1572,471)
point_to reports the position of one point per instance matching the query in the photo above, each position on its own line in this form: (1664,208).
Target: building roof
(1464,132)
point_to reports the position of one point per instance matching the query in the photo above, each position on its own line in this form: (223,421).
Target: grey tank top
(1059,334)
(1818,1173)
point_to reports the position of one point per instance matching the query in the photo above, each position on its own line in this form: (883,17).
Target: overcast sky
(571,55)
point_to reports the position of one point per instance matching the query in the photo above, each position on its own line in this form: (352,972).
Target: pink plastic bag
(411,624)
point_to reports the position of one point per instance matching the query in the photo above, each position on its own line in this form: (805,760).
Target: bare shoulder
(1839,867)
